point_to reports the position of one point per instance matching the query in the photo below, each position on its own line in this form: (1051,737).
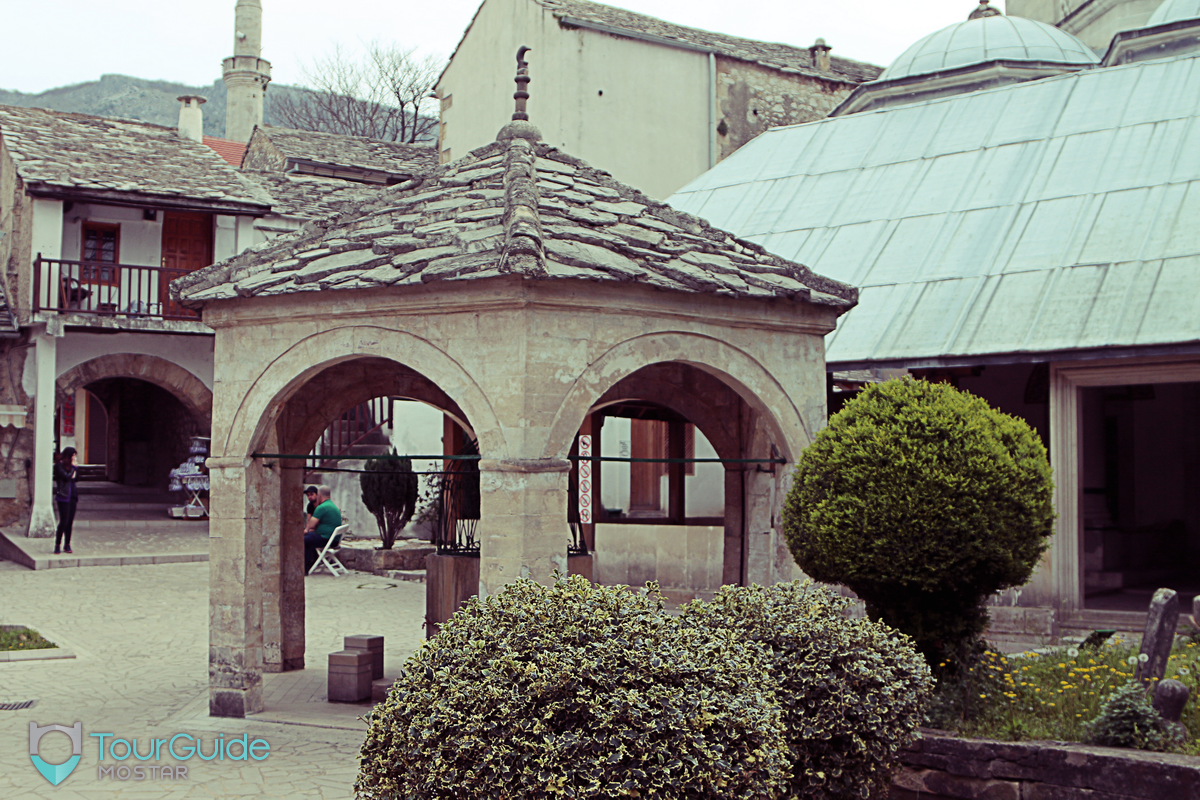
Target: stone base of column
(234,702)
(580,565)
(42,523)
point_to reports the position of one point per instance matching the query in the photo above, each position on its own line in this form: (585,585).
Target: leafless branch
(386,95)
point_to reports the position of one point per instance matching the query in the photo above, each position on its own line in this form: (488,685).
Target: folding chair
(327,558)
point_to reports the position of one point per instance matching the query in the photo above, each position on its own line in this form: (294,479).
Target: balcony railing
(104,289)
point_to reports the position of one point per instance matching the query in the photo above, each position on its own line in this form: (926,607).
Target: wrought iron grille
(458,506)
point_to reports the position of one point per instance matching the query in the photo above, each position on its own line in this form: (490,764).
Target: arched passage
(310,394)
(182,384)
(740,410)
(148,408)
(261,399)
(736,369)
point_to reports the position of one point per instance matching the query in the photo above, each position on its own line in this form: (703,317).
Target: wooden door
(648,440)
(187,245)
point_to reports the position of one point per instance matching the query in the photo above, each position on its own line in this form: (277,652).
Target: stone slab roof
(352,151)
(83,155)
(516,206)
(770,54)
(309,196)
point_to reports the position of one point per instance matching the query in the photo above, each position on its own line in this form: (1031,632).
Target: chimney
(819,53)
(191,117)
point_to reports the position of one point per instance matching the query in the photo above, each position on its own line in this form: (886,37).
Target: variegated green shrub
(577,690)
(852,690)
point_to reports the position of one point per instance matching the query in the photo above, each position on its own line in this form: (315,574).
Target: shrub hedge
(852,690)
(576,690)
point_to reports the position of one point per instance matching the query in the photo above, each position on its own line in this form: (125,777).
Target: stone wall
(752,98)
(940,767)
(16,444)
(261,153)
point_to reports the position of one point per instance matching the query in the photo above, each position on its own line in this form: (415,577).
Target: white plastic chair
(327,558)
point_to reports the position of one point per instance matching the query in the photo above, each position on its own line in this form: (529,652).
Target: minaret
(246,74)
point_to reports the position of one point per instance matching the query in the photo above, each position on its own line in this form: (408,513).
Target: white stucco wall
(636,109)
(192,352)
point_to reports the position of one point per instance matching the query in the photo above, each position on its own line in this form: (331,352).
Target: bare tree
(387,95)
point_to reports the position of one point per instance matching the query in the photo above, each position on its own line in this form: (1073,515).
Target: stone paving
(140,638)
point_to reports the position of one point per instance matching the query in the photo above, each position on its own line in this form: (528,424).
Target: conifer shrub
(852,690)
(924,500)
(577,690)
(390,492)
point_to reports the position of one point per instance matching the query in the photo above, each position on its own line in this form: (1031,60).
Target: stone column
(41,514)
(523,521)
(281,526)
(235,627)
(733,570)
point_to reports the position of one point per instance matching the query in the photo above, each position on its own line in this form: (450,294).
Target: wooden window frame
(114,278)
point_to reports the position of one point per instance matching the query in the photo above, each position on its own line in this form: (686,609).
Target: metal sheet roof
(1055,215)
(977,41)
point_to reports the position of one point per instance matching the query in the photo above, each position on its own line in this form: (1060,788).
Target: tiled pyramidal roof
(516,206)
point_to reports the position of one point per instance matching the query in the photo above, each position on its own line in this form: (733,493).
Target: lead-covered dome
(988,39)
(1174,11)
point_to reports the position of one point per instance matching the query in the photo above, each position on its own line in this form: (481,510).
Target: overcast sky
(71,41)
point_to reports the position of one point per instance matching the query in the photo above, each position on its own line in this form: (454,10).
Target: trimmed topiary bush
(852,690)
(577,690)
(924,500)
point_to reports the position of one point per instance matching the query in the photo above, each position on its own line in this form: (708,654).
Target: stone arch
(735,368)
(268,391)
(709,404)
(182,384)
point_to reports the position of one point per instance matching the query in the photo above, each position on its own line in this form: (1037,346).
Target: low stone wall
(941,767)
(406,554)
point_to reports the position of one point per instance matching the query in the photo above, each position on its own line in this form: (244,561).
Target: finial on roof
(522,79)
(520,128)
(984,10)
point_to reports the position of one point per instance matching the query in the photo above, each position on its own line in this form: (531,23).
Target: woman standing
(67,497)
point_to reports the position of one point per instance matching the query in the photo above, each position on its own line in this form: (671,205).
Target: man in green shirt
(321,525)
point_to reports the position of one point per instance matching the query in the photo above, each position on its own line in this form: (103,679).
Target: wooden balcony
(106,289)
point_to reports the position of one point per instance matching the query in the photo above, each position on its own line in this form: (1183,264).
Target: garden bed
(20,638)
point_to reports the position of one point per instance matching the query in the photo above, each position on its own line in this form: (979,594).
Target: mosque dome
(993,38)
(986,51)
(1174,11)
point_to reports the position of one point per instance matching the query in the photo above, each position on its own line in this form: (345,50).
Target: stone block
(380,689)
(370,644)
(1161,622)
(349,676)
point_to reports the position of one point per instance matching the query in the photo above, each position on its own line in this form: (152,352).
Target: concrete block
(349,676)
(370,644)
(380,689)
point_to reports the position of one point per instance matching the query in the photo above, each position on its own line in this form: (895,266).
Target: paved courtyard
(140,638)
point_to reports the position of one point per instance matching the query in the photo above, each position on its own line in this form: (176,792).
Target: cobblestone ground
(140,634)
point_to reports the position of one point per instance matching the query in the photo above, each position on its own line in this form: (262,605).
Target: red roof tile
(227,149)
